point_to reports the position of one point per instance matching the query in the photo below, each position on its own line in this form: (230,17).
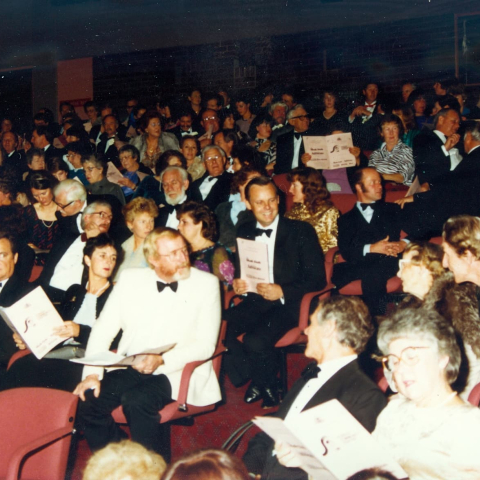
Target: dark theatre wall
(388,52)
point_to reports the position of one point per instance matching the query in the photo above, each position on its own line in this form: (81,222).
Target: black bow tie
(161,286)
(171,208)
(366,205)
(298,135)
(211,178)
(260,231)
(311,371)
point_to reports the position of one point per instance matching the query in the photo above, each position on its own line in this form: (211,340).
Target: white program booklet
(111,359)
(330,442)
(113,173)
(330,152)
(34,317)
(253,262)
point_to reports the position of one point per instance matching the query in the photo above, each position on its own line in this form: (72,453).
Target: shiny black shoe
(253,394)
(270,397)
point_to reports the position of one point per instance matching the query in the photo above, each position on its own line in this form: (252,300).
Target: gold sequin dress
(324,221)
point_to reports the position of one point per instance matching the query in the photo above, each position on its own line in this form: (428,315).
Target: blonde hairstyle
(462,233)
(126,460)
(430,255)
(150,243)
(138,206)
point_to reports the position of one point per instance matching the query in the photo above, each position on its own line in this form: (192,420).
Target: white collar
(273,226)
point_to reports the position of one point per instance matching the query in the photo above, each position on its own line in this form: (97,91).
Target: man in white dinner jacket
(169,303)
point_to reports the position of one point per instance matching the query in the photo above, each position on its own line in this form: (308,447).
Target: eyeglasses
(301,117)
(408,356)
(63,207)
(103,215)
(209,118)
(212,159)
(154,124)
(178,253)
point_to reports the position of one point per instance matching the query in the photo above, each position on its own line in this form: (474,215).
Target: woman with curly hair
(199,227)
(311,204)
(431,287)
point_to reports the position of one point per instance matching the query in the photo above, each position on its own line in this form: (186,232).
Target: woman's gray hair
(73,189)
(418,323)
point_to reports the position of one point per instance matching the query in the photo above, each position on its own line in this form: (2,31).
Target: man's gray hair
(175,168)
(221,151)
(73,189)
(474,129)
(291,113)
(273,106)
(89,209)
(443,113)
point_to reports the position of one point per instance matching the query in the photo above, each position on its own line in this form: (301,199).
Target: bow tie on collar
(366,205)
(211,178)
(311,371)
(260,231)
(161,286)
(298,135)
(171,208)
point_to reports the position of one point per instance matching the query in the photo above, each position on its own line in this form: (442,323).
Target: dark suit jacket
(350,386)
(227,230)
(13,291)
(431,163)
(365,135)
(298,265)
(218,194)
(51,152)
(285,152)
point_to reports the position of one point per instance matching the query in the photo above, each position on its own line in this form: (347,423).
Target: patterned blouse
(216,259)
(399,160)
(324,221)
(267,149)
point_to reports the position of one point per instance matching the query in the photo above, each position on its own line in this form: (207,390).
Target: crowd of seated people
(145,206)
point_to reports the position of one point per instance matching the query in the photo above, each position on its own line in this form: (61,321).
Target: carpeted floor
(211,429)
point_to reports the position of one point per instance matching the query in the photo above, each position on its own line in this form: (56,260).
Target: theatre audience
(96,173)
(132,172)
(190,148)
(261,131)
(312,205)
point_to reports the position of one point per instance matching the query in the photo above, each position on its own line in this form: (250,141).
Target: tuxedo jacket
(285,150)
(431,163)
(227,230)
(354,232)
(350,386)
(219,193)
(365,134)
(298,265)
(164,212)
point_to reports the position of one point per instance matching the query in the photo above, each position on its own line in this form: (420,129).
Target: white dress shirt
(270,241)
(297,143)
(69,269)
(207,185)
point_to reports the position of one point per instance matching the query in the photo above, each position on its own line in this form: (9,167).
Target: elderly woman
(83,304)
(190,147)
(95,171)
(197,224)
(232,214)
(393,160)
(431,287)
(430,431)
(261,130)
(311,205)
(42,225)
(139,216)
(153,142)
(133,172)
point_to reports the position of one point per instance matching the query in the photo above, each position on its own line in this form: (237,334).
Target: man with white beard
(174,181)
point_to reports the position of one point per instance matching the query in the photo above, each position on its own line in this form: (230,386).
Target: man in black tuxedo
(433,151)
(290,145)
(365,119)
(213,187)
(112,134)
(184,127)
(454,194)
(13,157)
(11,290)
(339,330)
(296,267)
(174,181)
(369,239)
(42,138)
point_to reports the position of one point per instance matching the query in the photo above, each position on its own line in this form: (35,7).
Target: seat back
(283,184)
(26,415)
(344,201)
(474,396)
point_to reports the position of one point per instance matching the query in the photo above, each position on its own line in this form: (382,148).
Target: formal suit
(219,193)
(431,163)
(52,152)
(354,232)
(227,230)
(285,151)
(189,317)
(350,386)
(365,133)
(298,267)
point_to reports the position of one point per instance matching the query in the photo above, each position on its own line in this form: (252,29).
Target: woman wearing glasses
(430,286)
(431,432)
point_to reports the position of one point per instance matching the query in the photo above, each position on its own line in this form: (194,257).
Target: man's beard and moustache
(177,200)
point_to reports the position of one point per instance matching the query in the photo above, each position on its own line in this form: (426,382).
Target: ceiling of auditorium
(63,29)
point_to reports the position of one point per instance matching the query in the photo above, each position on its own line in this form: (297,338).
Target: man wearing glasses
(170,303)
(213,187)
(290,146)
(64,266)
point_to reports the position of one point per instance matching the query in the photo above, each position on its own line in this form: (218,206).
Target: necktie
(161,286)
(365,205)
(260,231)
(311,371)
